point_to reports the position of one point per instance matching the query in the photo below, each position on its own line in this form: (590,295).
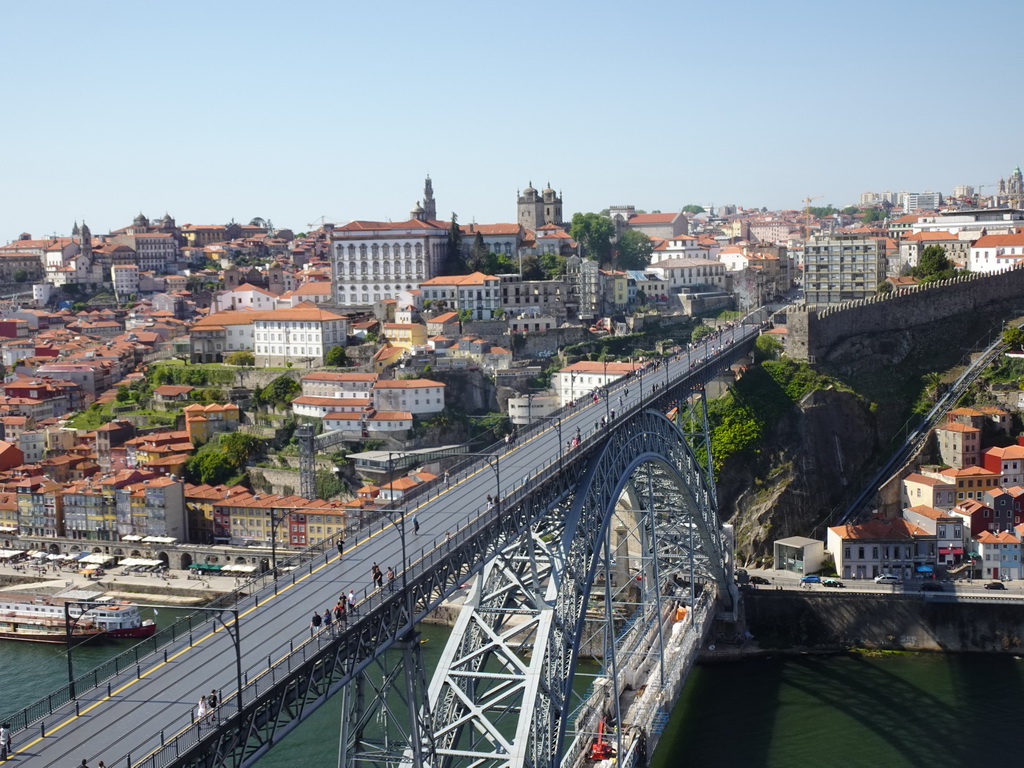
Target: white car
(887,578)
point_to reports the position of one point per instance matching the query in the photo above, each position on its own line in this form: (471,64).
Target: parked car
(811,579)
(887,578)
(995,585)
(759,580)
(832,583)
(932,586)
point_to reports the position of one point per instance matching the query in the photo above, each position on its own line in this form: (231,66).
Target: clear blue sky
(290,111)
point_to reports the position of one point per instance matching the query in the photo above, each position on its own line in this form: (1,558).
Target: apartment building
(843,268)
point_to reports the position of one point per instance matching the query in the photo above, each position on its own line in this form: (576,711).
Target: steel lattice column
(502,695)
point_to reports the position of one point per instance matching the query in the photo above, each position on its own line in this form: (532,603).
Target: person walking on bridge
(211,703)
(352,607)
(341,548)
(391,579)
(5,741)
(202,712)
(415,525)
(314,624)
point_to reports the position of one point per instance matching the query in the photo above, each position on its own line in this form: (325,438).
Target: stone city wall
(912,622)
(813,332)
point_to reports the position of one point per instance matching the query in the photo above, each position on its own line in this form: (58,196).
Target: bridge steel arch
(550,588)
(503,692)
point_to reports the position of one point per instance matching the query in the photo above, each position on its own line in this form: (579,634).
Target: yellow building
(406,335)
(204,421)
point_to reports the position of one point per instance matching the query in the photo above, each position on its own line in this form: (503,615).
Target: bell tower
(429,204)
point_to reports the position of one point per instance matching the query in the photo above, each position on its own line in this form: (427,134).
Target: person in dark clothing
(314,623)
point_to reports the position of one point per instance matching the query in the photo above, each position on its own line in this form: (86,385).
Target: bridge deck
(159,699)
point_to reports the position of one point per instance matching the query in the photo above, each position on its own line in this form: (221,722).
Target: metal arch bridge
(587,550)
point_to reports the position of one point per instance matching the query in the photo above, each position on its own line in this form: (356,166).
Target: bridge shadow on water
(850,710)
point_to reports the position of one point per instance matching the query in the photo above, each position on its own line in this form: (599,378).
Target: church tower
(530,208)
(552,206)
(86,241)
(429,204)
(535,209)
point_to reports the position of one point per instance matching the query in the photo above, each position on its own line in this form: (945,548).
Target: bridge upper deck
(147,707)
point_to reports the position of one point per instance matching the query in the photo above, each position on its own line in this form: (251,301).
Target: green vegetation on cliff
(743,417)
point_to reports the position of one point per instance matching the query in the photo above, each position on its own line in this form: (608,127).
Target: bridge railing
(428,558)
(183,628)
(418,565)
(469,465)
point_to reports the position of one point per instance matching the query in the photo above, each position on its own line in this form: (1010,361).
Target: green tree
(933,265)
(241,357)
(635,250)
(279,392)
(210,465)
(20,275)
(700,332)
(594,232)
(455,262)
(693,209)
(872,215)
(766,348)
(552,265)
(328,484)
(851,210)
(531,268)
(123,395)
(1014,338)
(498,264)
(884,287)
(820,211)
(336,357)
(465,315)
(477,254)
(239,447)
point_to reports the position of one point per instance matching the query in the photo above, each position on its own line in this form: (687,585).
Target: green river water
(849,711)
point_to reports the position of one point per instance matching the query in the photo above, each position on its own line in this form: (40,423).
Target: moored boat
(43,619)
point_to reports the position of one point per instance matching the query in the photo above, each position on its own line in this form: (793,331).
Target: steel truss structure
(591,557)
(600,573)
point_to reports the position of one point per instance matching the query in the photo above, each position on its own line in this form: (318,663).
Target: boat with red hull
(45,619)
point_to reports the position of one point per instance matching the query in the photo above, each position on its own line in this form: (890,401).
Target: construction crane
(807,215)
(979,187)
(321,221)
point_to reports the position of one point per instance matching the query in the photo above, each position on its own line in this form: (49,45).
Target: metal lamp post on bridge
(235,634)
(274,522)
(496,466)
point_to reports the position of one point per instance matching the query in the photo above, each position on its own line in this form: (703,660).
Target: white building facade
(583,378)
(303,334)
(416,396)
(374,260)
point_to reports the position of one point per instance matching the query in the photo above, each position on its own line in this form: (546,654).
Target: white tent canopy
(140,561)
(5,553)
(239,568)
(97,558)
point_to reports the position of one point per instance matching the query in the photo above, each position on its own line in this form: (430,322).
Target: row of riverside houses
(965,517)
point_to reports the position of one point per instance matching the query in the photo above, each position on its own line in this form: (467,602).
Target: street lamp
(233,629)
(274,522)
(496,466)
(558,425)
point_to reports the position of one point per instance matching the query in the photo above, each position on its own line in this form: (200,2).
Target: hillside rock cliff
(815,455)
